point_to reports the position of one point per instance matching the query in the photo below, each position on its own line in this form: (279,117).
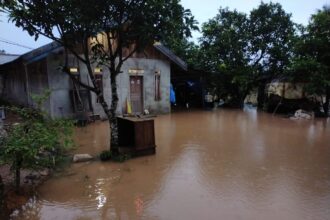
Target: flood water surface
(209,165)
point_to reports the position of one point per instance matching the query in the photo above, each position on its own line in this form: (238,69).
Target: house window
(98,81)
(157,86)
(74,71)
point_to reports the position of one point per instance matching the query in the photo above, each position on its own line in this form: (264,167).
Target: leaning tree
(126,26)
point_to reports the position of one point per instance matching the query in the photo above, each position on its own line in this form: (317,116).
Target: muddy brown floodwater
(209,165)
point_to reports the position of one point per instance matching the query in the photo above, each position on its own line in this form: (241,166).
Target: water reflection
(209,165)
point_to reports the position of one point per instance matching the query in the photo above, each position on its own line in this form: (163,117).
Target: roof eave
(171,56)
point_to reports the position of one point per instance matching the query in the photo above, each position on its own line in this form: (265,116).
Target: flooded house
(143,84)
(283,97)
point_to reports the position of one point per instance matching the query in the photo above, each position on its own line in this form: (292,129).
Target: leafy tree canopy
(244,51)
(125,26)
(312,54)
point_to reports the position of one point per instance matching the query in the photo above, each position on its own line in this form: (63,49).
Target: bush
(121,157)
(37,142)
(105,155)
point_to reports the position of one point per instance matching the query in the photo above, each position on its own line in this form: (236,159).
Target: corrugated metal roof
(40,52)
(44,51)
(6,58)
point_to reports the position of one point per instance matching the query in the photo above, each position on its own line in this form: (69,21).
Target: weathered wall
(289,90)
(60,84)
(38,82)
(150,66)
(15,89)
(23,80)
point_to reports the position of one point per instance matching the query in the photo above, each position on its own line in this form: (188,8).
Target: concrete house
(143,84)
(283,96)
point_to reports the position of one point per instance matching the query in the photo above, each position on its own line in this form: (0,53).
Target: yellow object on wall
(129,107)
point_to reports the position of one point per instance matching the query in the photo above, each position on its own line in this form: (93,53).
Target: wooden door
(136,93)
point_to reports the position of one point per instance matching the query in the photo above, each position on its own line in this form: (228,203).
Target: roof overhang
(44,51)
(171,56)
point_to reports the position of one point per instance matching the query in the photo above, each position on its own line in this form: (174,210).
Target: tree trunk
(327,103)
(245,94)
(17,178)
(261,96)
(112,120)
(18,165)
(113,115)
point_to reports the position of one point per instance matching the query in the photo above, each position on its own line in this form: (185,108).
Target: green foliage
(244,51)
(312,55)
(186,50)
(133,24)
(272,36)
(108,155)
(121,157)
(105,155)
(36,142)
(224,45)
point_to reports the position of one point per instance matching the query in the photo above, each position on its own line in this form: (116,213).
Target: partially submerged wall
(287,90)
(14,81)
(150,68)
(60,84)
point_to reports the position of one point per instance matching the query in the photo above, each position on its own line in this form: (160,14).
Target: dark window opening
(157,88)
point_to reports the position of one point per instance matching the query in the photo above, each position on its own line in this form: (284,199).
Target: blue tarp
(172,95)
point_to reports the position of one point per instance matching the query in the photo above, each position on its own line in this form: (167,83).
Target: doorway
(136,93)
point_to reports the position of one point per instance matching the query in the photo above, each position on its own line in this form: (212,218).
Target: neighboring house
(283,96)
(144,82)
(5,58)
(286,90)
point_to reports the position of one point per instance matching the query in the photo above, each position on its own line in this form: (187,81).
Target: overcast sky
(203,10)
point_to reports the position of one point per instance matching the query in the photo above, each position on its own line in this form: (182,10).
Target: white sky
(301,11)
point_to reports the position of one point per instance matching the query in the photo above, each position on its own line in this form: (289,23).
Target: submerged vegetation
(107,155)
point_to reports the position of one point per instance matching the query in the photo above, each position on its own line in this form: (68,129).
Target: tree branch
(66,70)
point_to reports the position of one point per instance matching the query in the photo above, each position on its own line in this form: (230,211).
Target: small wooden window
(157,87)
